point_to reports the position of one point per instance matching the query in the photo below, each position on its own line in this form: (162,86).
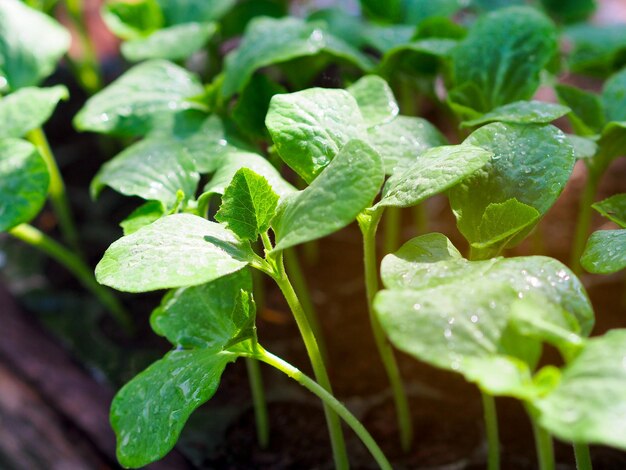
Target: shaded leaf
(144,215)
(596,50)
(252,105)
(614,97)
(187,11)
(613,208)
(587,113)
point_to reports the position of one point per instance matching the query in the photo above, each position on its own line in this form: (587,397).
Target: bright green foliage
(588,404)
(187,11)
(248,205)
(375,99)
(433,172)
(310,127)
(28,108)
(269,41)
(347,186)
(587,114)
(610,146)
(202,316)
(175,251)
(522,112)
(613,208)
(605,252)
(232,162)
(174,43)
(144,215)
(585,148)
(421,57)
(570,10)
(532,163)
(500,60)
(614,97)
(401,141)
(211,320)
(134,19)
(24,182)
(153,169)
(139,100)
(32,44)
(431,260)
(596,50)
(416,11)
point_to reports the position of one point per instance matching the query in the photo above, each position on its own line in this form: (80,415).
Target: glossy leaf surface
(605,252)
(375,99)
(613,208)
(522,112)
(28,108)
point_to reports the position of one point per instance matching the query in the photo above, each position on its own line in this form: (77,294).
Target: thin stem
(543,444)
(88,68)
(584,221)
(310,342)
(74,264)
(491,427)
(391,229)
(56,191)
(330,401)
(258,399)
(298,280)
(420,219)
(368,229)
(583,457)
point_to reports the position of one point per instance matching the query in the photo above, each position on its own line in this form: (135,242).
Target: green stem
(391,229)
(258,399)
(543,444)
(56,191)
(583,224)
(368,229)
(491,427)
(294,270)
(74,264)
(420,219)
(334,425)
(583,457)
(329,401)
(89,74)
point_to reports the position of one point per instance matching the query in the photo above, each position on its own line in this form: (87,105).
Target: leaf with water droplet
(613,208)
(605,252)
(521,112)
(375,99)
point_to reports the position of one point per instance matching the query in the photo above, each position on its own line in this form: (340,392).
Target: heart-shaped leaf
(28,108)
(375,99)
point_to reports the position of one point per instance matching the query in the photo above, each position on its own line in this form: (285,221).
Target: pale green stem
(491,428)
(89,74)
(298,280)
(329,401)
(77,267)
(583,457)
(583,225)
(368,229)
(391,229)
(56,190)
(543,444)
(310,342)
(420,219)
(258,400)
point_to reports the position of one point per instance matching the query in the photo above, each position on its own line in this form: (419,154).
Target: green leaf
(614,97)
(175,251)
(401,141)
(204,316)
(532,163)
(385,37)
(375,100)
(231,162)
(433,172)
(585,148)
(174,43)
(187,11)
(32,45)
(132,19)
(28,108)
(386,10)
(144,215)
(248,205)
(416,11)
(24,182)
(139,100)
(461,328)
(570,11)
(149,412)
(610,146)
(588,404)
(613,208)
(431,260)
(421,57)
(501,59)
(346,187)
(153,169)
(310,127)
(587,114)
(252,105)
(596,49)
(522,112)
(269,41)
(605,252)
